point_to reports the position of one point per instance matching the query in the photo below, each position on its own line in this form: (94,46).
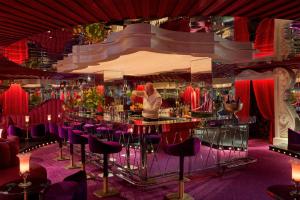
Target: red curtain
(264,38)
(242,91)
(241,32)
(17,52)
(15,101)
(264,94)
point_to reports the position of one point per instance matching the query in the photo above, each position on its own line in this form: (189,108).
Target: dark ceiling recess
(21,19)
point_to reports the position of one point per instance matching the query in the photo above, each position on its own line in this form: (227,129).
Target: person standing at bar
(151,102)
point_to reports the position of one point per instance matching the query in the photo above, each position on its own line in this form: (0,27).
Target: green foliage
(95,32)
(91,99)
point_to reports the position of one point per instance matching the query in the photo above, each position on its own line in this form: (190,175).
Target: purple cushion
(75,137)
(63,132)
(103,147)
(189,147)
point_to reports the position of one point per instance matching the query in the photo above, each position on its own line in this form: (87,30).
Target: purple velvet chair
(189,147)
(293,140)
(38,131)
(62,138)
(105,148)
(14,131)
(73,187)
(74,137)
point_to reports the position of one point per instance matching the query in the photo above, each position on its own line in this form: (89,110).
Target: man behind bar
(151,102)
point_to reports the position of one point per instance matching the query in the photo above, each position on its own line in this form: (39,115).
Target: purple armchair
(14,131)
(38,131)
(293,140)
(73,187)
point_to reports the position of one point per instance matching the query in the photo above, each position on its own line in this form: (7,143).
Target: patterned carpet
(243,183)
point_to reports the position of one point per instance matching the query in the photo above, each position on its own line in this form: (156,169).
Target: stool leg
(180,195)
(72,164)
(106,191)
(105,173)
(181,182)
(61,157)
(83,156)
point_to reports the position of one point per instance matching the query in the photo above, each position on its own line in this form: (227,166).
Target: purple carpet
(244,183)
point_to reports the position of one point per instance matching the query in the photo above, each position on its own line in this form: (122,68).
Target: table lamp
(24,159)
(295,177)
(1,132)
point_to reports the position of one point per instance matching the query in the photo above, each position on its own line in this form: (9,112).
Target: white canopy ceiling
(146,62)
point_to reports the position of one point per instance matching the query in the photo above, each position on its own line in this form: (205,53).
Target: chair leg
(105,191)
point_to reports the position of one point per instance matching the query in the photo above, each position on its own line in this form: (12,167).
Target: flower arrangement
(92,99)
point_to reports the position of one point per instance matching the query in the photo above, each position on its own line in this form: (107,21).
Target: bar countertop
(137,120)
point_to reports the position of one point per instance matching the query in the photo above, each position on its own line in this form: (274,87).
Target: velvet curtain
(264,38)
(15,101)
(242,91)
(241,32)
(264,94)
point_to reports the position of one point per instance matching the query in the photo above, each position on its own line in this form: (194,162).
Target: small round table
(12,191)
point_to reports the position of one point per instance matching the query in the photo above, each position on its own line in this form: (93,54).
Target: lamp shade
(24,162)
(26,118)
(1,132)
(49,117)
(295,170)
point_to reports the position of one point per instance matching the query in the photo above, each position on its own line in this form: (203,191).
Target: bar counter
(143,161)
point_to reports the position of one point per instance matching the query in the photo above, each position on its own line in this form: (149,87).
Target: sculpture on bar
(232,107)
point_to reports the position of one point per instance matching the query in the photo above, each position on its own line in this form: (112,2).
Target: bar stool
(63,137)
(105,131)
(105,148)
(53,130)
(82,139)
(89,128)
(189,147)
(73,140)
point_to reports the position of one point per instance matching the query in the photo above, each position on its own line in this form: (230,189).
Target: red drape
(15,101)
(242,91)
(17,52)
(264,94)
(264,39)
(241,32)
